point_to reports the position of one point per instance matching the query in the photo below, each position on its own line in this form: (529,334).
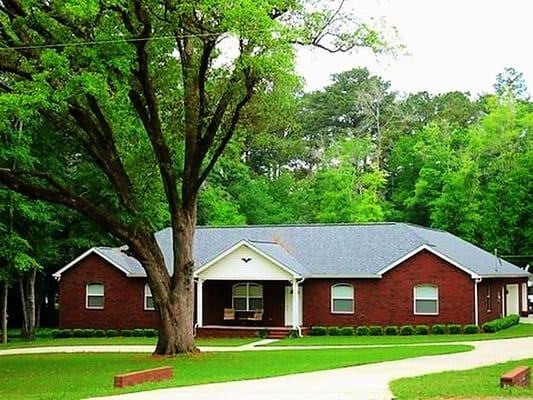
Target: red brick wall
(390,300)
(497,286)
(218,295)
(124,298)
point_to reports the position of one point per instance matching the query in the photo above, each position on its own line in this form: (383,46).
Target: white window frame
(147,293)
(426,298)
(247,296)
(87,296)
(332,298)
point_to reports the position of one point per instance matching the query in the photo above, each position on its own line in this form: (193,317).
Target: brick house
(343,274)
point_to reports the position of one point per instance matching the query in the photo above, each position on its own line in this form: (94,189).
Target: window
(94,295)
(148,299)
(426,299)
(342,301)
(247,297)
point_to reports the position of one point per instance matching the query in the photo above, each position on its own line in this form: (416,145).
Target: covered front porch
(244,291)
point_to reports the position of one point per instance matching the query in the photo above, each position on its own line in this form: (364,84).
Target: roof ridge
(296,225)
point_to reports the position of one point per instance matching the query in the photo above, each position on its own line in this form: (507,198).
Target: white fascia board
(57,275)
(506,275)
(472,274)
(251,247)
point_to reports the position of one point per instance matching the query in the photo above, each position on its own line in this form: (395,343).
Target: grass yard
(75,376)
(46,341)
(474,383)
(520,330)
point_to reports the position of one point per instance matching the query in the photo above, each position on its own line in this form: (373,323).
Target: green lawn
(75,376)
(44,342)
(520,330)
(474,383)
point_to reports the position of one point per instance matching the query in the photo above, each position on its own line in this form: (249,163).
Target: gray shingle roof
(329,249)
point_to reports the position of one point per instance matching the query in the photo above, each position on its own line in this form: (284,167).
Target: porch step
(277,333)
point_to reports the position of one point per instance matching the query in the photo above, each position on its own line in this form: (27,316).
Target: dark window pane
(150,302)
(95,301)
(426,306)
(239,303)
(256,304)
(342,305)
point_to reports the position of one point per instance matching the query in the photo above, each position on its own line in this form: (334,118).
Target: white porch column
(295,306)
(200,302)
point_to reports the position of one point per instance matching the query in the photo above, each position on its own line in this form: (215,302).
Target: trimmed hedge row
(393,330)
(89,333)
(500,323)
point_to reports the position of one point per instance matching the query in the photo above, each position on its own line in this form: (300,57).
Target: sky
(450,44)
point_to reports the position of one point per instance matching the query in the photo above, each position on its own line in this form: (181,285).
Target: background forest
(355,151)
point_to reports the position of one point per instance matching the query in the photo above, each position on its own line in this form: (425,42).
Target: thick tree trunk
(173,295)
(27,294)
(4,312)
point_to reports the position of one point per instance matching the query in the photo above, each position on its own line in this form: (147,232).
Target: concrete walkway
(363,382)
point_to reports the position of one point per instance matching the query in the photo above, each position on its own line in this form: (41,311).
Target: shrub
(407,330)
(83,333)
(138,332)
(454,329)
(391,330)
(126,332)
(261,333)
(151,332)
(471,329)
(111,333)
(61,333)
(438,329)
(99,333)
(500,323)
(334,331)
(318,331)
(347,331)
(362,331)
(422,330)
(375,330)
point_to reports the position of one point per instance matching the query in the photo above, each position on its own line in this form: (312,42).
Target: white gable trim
(251,247)
(472,274)
(92,250)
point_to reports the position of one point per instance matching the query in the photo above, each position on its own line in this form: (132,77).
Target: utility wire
(125,40)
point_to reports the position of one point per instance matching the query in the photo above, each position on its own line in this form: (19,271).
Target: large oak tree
(128,104)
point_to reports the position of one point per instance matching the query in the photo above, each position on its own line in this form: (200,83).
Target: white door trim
(512,299)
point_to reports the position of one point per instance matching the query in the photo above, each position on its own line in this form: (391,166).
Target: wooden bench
(516,377)
(147,375)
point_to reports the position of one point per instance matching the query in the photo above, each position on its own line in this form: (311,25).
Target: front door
(288,305)
(511,299)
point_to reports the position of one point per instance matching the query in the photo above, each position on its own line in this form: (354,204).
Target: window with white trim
(342,299)
(148,298)
(94,295)
(426,299)
(247,297)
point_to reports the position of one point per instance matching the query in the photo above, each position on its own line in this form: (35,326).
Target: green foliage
(453,329)
(62,333)
(391,330)
(438,329)
(318,331)
(347,331)
(362,331)
(407,330)
(422,330)
(112,333)
(334,331)
(126,332)
(137,333)
(470,329)
(500,323)
(375,330)
(99,333)
(261,333)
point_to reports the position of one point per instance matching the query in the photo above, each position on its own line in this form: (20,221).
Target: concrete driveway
(362,382)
